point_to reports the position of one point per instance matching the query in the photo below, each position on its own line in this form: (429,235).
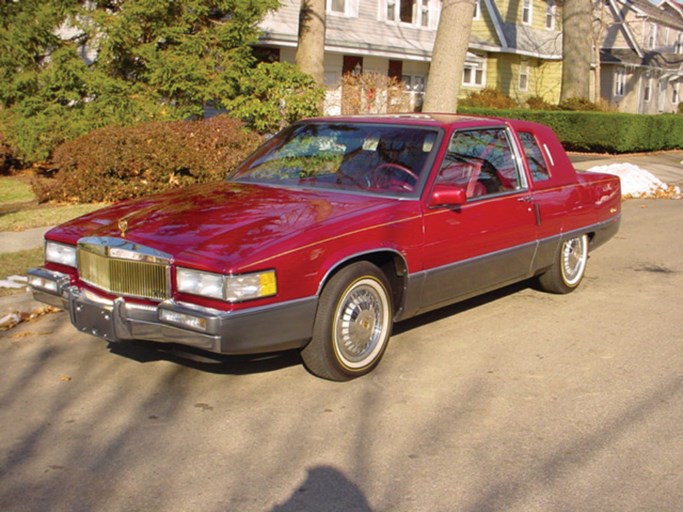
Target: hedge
(610,132)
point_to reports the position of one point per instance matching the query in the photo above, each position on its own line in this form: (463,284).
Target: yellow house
(519,43)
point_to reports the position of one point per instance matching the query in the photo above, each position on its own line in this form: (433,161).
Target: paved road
(520,401)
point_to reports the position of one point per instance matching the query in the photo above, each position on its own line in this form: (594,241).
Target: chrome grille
(132,277)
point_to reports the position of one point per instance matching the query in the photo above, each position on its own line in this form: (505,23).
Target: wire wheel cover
(361,323)
(574,253)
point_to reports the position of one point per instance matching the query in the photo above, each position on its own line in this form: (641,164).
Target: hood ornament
(123,227)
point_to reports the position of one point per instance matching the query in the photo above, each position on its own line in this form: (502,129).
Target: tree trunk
(311,49)
(597,77)
(448,56)
(576,48)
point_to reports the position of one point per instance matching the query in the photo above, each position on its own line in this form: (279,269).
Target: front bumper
(261,329)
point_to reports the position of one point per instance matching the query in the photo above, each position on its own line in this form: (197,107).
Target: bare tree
(576,48)
(448,57)
(601,22)
(311,49)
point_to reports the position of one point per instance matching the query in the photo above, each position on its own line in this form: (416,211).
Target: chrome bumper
(261,329)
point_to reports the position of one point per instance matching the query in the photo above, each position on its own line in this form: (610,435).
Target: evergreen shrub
(8,157)
(115,163)
(273,95)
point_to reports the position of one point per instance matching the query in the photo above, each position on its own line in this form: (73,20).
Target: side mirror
(447,195)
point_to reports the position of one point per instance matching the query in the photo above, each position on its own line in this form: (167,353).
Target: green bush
(144,60)
(115,163)
(488,98)
(273,95)
(8,157)
(680,107)
(611,132)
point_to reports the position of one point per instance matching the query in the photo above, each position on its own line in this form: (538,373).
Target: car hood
(225,224)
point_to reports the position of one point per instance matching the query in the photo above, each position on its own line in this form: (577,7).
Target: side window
(534,157)
(482,162)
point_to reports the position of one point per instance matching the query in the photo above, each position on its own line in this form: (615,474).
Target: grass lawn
(20,211)
(45,215)
(14,190)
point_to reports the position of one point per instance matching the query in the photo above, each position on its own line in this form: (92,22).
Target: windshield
(374,158)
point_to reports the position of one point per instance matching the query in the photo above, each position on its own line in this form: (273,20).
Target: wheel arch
(390,262)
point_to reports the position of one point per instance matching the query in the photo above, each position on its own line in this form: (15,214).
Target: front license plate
(94,320)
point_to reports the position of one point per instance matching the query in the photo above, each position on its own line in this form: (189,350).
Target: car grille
(145,279)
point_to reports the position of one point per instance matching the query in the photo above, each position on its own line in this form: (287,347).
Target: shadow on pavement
(325,488)
(148,351)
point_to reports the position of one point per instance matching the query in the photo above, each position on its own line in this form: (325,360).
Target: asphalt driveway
(517,401)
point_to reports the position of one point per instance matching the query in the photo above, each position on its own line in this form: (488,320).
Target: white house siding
(366,35)
(647,62)
(363,35)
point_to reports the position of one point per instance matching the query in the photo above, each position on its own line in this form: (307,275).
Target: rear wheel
(569,268)
(353,324)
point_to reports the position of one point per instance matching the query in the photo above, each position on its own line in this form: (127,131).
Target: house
(515,45)
(641,55)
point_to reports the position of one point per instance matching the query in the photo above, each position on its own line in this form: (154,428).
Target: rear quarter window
(534,156)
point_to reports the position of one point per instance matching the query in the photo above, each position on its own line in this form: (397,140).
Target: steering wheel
(385,178)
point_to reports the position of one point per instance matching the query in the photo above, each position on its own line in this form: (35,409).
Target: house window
(527,11)
(415,88)
(337,6)
(675,97)
(473,75)
(342,7)
(352,65)
(619,82)
(647,94)
(652,37)
(477,10)
(550,11)
(678,47)
(524,76)
(414,83)
(411,12)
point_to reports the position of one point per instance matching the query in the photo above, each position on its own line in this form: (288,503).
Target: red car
(329,233)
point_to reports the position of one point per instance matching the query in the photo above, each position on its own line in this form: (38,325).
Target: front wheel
(353,324)
(569,268)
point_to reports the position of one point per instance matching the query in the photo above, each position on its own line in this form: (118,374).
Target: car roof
(442,120)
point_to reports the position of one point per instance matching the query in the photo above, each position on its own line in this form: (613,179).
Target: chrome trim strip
(358,255)
(117,248)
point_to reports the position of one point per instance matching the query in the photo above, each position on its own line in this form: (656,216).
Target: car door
(490,240)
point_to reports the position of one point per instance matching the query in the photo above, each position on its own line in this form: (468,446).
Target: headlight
(60,253)
(250,286)
(229,288)
(199,283)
